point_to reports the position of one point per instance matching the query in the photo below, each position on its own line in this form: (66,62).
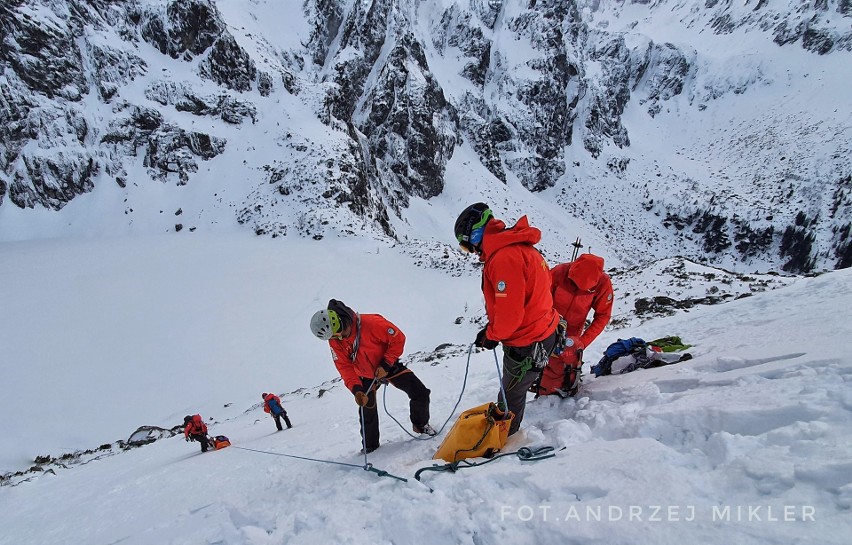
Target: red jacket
(579,287)
(379,341)
(516,285)
(196,426)
(269,398)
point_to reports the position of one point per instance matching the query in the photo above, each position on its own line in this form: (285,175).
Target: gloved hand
(382,372)
(188,439)
(361,399)
(484,342)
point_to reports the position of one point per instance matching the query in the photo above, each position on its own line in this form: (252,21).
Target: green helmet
(325,323)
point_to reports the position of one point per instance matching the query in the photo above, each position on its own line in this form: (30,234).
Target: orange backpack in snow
(220,442)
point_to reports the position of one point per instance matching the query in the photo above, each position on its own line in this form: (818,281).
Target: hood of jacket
(585,271)
(497,236)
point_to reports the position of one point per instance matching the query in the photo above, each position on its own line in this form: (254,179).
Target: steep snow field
(747,443)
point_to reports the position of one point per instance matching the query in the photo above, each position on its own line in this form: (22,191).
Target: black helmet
(471,224)
(263,395)
(345,314)
(187,418)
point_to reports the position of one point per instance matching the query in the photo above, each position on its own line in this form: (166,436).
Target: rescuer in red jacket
(272,406)
(578,288)
(518,302)
(366,349)
(196,430)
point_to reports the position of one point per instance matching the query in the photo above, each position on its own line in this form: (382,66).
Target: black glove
(484,342)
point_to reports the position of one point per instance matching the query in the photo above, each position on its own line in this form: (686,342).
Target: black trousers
(203,439)
(521,366)
(278,418)
(418,405)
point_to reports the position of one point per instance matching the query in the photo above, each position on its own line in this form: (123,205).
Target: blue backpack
(275,407)
(621,347)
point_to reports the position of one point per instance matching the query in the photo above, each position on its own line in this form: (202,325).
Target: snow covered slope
(747,443)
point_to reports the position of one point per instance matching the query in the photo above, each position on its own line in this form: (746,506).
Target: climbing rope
(452,412)
(525,454)
(505,407)
(365,467)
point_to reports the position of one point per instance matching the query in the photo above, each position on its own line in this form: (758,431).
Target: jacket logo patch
(391,331)
(609,297)
(501,286)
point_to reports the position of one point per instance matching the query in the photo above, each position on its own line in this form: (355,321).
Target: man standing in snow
(366,349)
(196,430)
(272,405)
(516,286)
(578,287)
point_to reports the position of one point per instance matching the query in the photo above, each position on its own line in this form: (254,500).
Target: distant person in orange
(518,302)
(578,288)
(272,406)
(196,430)
(366,349)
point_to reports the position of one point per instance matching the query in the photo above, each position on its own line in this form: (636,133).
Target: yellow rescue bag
(480,431)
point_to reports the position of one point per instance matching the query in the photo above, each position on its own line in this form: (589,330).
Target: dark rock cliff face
(188,28)
(53,62)
(229,65)
(410,125)
(45,57)
(549,97)
(608,99)
(53,181)
(362,34)
(481,125)
(533,87)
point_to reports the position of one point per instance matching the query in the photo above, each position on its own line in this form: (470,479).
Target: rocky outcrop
(54,180)
(608,96)
(186,29)
(44,55)
(542,102)
(229,65)
(361,37)
(180,95)
(666,72)
(113,68)
(410,126)
(171,149)
(57,54)
(797,245)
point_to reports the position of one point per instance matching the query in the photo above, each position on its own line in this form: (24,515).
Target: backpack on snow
(480,431)
(634,353)
(621,347)
(220,442)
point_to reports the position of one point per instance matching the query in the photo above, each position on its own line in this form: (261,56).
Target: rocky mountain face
(341,119)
